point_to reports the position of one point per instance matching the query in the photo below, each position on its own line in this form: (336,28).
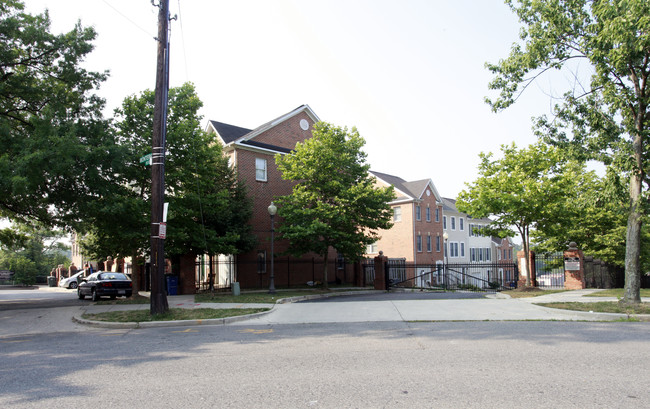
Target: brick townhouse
(252,152)
(417,233)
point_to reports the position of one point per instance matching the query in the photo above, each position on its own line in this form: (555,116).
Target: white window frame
(453,223)
(418,212)
(419,243)
(428,214)
(461,224)
(462,249)
(429,246)
(397,214)
(261,173)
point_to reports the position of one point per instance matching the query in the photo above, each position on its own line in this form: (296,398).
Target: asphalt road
(18,299)
(361,365)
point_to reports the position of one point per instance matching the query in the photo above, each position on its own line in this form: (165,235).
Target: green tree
(595,219)
(208,207)
(526,188)
(35,253)
(607,114)
(334,202)
(53,146)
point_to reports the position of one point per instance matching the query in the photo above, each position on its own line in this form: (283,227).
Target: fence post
(574,277)
(380,272)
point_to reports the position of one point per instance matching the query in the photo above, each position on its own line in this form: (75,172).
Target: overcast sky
(408,74)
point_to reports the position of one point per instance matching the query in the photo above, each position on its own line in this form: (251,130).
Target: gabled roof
(407,190)
(234,135)
(228,133)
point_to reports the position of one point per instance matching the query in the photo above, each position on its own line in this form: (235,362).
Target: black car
(105,283)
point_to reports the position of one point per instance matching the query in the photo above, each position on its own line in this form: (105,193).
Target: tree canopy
(334,202)
(529,188)
(208,207)
(604,114)
(54,146)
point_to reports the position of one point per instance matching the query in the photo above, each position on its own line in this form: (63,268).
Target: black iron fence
(549,270)
(450,276)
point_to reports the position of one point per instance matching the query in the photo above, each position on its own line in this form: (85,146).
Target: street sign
(146,159)
(162,230)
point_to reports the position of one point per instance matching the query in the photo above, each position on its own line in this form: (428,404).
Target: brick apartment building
(252,152)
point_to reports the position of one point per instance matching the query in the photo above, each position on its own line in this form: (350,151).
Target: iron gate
(448,277)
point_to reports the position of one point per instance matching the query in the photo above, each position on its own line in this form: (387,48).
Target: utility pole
(159,303)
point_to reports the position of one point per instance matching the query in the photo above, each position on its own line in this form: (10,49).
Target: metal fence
(549,270)
(451,276)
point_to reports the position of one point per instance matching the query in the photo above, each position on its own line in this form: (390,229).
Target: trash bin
(235,288)
(172,285)
(51,281)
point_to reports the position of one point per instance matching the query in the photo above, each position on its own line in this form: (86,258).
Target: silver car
(70,282)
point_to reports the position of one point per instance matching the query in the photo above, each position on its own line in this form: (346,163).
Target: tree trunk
(523,232)
(632,294)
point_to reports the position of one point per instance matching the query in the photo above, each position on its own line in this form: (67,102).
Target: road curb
(160,324)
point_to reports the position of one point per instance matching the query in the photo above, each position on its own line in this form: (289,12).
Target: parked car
(105,283)
(70,282)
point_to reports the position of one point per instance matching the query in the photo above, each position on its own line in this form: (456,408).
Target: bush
(24,269)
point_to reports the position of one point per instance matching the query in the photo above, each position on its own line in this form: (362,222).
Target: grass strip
(527,292)
(174,314)
(257,297)
(601,306)
(617,292)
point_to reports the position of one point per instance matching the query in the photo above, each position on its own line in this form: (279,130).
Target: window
(487,254)
(397,214)
(462,249)
(371,248)
(480,254)
(444,222)
(419,243)
(438,244)
(471,230)
(472,254)
(453,249)
(429,244)
(461,224)
(260,169)
(453,223)
(437,215)
(428,214)
(418,212)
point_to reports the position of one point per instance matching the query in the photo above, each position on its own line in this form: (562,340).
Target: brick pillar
(521,282)
(574,275)
(186,274)
(380,271)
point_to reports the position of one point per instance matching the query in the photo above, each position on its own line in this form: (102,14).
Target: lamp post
(445,237)
(272,211)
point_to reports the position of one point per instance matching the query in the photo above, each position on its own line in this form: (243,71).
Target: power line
(128,19)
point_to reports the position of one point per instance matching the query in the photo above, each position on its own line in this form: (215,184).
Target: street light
(272,211)
(445,237)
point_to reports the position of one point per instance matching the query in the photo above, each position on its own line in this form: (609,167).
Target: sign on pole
(146,159)
(162,230)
